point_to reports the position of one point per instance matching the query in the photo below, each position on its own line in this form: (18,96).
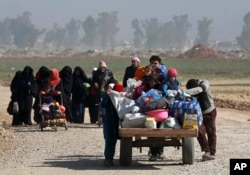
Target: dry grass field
(229,78)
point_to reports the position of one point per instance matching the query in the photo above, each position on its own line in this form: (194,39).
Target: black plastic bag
(10,108)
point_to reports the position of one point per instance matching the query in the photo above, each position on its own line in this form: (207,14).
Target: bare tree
(167,35)
(90,28)
(56,37)
(5,33)
(203,31)
(138,34)
(173,34)
(151,28)
(72,31)
(182,27)
(107,28)
(23,30)
(244,39)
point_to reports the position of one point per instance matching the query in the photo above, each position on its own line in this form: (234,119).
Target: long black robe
(16,120)
(42,77)
(26,90)
(79,95)
(67,81)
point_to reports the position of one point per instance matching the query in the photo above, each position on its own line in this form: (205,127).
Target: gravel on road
(79,150)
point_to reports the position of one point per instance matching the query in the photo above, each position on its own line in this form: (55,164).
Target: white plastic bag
(136,120)
(122,104)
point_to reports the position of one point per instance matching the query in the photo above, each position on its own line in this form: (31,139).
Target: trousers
(109,150)
(207,133)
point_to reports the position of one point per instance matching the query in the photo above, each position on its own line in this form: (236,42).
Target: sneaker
(108,163)
(153,158)
(207,156)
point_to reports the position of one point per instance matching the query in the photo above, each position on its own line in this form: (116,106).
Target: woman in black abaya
(26,90)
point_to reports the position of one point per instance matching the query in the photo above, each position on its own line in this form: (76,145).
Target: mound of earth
(226,103)
(201,51)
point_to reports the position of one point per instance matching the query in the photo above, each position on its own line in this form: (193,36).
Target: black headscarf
(82,74)
(67,79)
(27,84)
(78,93)
(42,76)
(14,85)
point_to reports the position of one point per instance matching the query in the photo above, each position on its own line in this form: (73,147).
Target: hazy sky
(227,15)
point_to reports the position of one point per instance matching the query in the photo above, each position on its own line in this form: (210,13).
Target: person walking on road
(98,80)
(110,122)
(79,95)
(207,131)
(26,90)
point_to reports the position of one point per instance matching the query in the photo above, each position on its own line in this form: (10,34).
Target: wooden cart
(145,137)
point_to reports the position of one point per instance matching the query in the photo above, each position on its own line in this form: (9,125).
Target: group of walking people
(156,75)
(79,91)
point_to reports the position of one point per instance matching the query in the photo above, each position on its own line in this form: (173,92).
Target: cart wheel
(188,150)
(126,151)
(55,127)
(99,122)
(66,125)
(42,124)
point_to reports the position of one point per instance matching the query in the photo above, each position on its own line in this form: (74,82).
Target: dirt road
(80,149)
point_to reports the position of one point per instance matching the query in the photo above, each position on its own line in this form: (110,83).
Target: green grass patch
(187,68)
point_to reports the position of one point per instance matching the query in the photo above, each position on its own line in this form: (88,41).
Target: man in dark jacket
(98,80)
(130,70)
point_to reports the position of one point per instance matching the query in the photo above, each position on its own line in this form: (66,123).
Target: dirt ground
(233,97)
(233,128)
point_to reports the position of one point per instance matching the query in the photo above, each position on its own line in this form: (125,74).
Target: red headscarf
(118,88)
(54,78)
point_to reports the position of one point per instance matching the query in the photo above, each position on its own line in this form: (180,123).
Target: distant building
(224,45)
